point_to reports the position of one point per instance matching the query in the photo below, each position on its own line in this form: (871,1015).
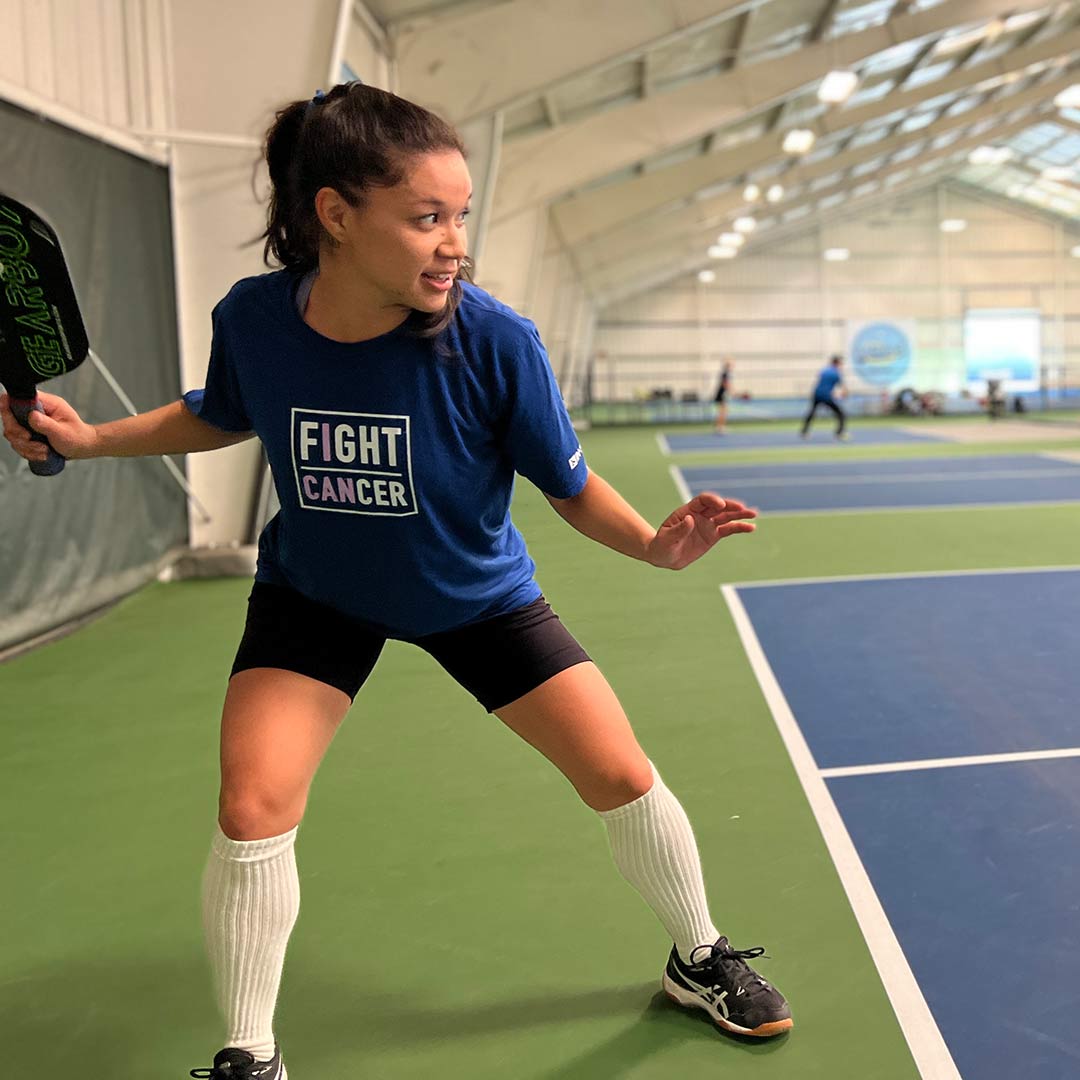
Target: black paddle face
(42,334)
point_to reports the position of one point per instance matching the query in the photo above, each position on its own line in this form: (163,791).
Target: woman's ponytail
(291,236)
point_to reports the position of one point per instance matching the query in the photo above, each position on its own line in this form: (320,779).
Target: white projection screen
(1003,344)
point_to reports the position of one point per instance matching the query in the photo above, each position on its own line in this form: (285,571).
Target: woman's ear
(332,210)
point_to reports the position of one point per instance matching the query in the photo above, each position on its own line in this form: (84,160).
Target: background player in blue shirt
(396,402)
(830,383)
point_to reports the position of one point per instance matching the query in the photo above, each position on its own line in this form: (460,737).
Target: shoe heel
(679,996)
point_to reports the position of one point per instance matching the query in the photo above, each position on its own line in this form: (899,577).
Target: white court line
(898,576)
(925,1041)
(950,763)
(830,511)
(883,479)
(686,494)
(680,483)
(665,446)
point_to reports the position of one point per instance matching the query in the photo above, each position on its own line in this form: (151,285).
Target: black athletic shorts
(497,660)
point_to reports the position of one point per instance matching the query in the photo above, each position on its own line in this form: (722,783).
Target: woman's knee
(255,814)
(610,788)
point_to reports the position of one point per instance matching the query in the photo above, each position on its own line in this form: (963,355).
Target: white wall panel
(12,33)
(364,56)
(224,84)
(781,311)
(509,251)
(113,63)
(39,48)
(101,61)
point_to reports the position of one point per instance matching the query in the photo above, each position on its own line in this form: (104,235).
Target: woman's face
(406,243)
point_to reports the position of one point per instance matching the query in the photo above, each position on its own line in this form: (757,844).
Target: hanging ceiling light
(990,155)
(731,239)
(723,251)
(837,87)
(751,193)
(953,225)
(775,193)
(1069,98)
(1058,173)
(706,277)
(837,254)
(744,224)
(799,141)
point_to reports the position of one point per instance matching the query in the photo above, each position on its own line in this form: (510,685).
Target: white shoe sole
(689,1000)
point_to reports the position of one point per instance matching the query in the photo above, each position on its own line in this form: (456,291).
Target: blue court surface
(821,435)
(811,487)
(901,687)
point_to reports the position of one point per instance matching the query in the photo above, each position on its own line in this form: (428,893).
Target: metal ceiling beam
(821,27)
(376,30)
(854,207)
(1015,206)
(539,168)
(824,21)
(551,110)
(600,279)
(742,31)
(591,214)
(503,56)
(916,63)
(644,78)
(658,278)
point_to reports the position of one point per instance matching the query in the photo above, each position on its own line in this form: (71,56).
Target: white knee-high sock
(654,849)
(250,901)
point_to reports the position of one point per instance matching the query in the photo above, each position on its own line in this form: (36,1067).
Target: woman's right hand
(60,424)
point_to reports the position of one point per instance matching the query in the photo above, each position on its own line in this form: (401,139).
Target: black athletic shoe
(234,1064)
(720,981)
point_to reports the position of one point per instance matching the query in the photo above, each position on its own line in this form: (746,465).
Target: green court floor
(461,916)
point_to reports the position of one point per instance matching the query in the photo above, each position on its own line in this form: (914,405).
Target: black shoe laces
(729,965)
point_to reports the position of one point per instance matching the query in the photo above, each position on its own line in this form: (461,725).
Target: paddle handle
(53,465)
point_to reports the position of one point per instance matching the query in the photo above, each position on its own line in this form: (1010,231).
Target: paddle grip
(53,465)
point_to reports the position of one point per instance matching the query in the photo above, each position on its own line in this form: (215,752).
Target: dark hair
(351,139)
(836,358)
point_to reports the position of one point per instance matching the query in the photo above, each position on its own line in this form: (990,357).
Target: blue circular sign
(881,353)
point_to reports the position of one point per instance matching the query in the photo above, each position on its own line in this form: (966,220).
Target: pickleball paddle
(42,333)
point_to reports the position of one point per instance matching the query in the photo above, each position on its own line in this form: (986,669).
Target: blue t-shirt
(394,465)
(827,383)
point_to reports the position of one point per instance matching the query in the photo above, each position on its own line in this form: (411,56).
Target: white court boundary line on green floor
(924,1039)
(665,446)
(680,483)
(932,1056)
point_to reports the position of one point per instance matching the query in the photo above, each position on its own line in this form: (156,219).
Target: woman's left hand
(689,532)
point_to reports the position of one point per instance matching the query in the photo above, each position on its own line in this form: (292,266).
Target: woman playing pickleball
(396,401)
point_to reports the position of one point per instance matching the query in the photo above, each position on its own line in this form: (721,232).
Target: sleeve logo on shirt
(353,463)
(574,458)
